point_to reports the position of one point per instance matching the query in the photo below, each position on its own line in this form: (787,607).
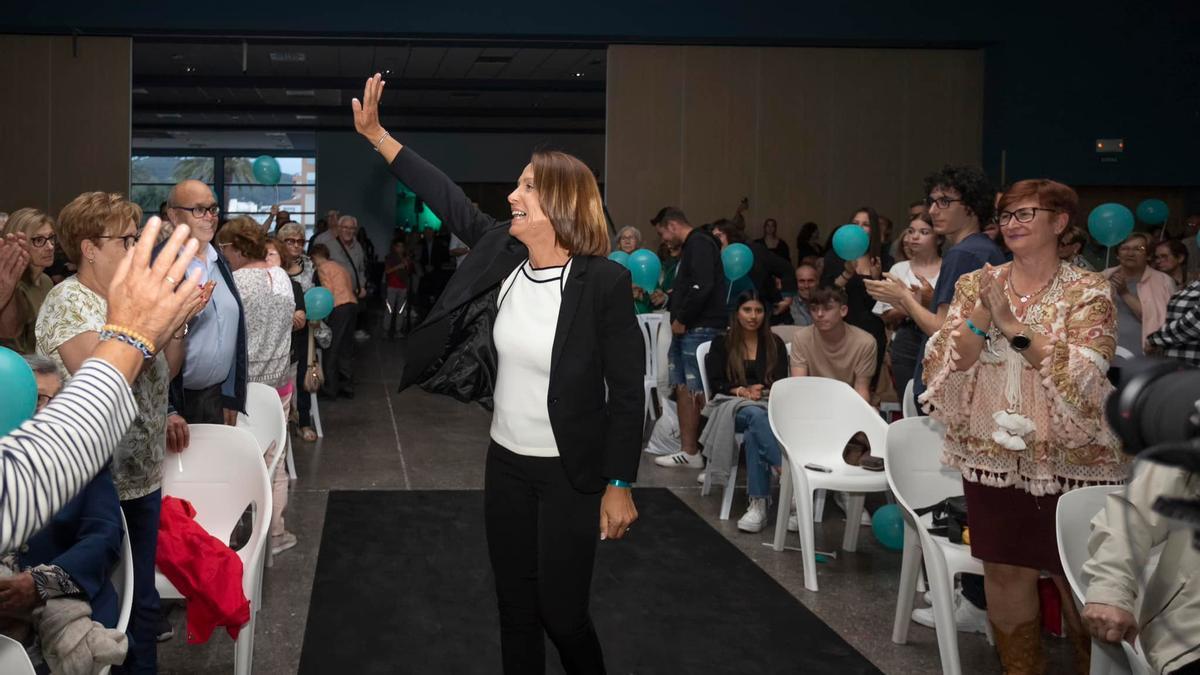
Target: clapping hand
(993,298)
(14,259)
(155,299)
(891,289)
(1120,284)
(923,291)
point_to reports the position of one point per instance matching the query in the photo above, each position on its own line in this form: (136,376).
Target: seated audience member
(25,251)
(1141,293)
(1179,338)
(339,357)
(808,242)
(66,444)
(629,239)
(771,241)
(832,348)
(270,305)
(1070,247)
(806,283)
(743,364)
(96,229)
(1017,375)
(73,556)
(851,276)
(920,274)
(1123,534)
(1171,258)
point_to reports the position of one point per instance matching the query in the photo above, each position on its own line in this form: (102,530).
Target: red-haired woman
(1018,375)
(563,452)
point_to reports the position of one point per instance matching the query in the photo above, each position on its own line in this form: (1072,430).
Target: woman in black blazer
(564,451)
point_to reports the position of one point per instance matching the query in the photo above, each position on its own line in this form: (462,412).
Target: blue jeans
(141,515)
(762,450)
(682,366)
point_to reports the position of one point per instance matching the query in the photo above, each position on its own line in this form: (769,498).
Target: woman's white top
(903,271)
(524,336)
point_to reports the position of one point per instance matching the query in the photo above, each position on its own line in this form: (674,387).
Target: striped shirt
(47,460)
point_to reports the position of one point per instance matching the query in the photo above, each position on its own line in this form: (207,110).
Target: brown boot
(1021,649)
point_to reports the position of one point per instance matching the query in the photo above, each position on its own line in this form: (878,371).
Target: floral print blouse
(1059,439)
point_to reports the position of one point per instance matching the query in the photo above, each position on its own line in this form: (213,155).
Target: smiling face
(188,195)
(1133,255)
(105,255)
(750,315)
(527,215)
(806,281)
(1038,235)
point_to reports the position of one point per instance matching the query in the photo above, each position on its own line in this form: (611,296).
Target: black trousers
(203,406)
(542,536)
(339,358)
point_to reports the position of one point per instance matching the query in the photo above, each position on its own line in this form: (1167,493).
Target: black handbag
(949,518)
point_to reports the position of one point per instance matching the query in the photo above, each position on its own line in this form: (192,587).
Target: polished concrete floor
(415,441)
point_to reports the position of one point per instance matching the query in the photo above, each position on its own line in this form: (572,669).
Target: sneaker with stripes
(681,460)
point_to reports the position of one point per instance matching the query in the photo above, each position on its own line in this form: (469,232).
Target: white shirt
(903,271)
(524,336)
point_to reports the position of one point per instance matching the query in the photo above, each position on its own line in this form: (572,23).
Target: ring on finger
(170,280)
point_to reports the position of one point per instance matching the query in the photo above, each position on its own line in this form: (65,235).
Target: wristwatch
(1021,341)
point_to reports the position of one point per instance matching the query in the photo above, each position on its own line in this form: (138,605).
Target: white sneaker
(701,476)
(681,460)
(755,517)
(839,498)
(968,617)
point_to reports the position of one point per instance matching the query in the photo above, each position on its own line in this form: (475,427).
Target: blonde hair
(26,221)
(245,235)
(92,215)
(569,197)
(292,228)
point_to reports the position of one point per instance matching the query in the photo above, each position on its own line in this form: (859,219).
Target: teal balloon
(645,267)
(851,242)
(619,257)
(318,303)
(266,170)
(888,525)
(737,259)
(18,396)
(1110,223)
(1153,212)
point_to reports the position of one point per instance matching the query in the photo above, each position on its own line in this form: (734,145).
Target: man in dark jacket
(698,315)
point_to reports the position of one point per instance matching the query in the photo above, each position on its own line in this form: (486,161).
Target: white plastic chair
(651,326)
(918,479)
(315,408)
(814,418)
(1073,526)
(221,473)
(13,659)
(122,581)
(727,494)
(908,405)
(265,419)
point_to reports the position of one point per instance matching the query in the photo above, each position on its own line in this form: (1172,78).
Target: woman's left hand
(298,320)
(617,512)
(18,596)
(891,290)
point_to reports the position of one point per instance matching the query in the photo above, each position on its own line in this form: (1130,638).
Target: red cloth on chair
(204,569)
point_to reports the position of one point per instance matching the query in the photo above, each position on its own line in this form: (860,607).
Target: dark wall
(1059,75)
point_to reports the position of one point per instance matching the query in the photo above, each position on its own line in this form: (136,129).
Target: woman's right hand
(154,300)
(366,112)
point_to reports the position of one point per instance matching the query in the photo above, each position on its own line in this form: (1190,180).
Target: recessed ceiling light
(387,71)
(189,69)
(578,74)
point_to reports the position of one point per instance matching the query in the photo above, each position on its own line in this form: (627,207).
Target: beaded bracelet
(129,337)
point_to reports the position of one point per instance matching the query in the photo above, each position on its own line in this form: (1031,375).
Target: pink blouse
(1009,424)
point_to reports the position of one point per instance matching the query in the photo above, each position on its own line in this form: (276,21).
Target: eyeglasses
(942,202)
(127,240)
(1025,215)
(1131,249)
(293,242)
(38,242)
(200,211)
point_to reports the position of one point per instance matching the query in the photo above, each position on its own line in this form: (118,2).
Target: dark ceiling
(219,85)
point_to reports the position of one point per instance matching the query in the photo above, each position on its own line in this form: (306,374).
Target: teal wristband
(616,482)
(975,330)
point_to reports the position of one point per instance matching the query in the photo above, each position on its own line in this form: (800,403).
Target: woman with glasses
(300,268)
(95,231)
(1142,293)
(1171,258)
(1070,248)
(28,249)
(1017,374)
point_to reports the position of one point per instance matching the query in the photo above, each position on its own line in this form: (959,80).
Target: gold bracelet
(113,328)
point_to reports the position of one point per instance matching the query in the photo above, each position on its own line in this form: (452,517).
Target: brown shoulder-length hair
(569,197)
(246,236)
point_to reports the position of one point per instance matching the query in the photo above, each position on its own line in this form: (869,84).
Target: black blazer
(597,341)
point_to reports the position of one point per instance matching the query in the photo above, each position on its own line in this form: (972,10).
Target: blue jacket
(84,539)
